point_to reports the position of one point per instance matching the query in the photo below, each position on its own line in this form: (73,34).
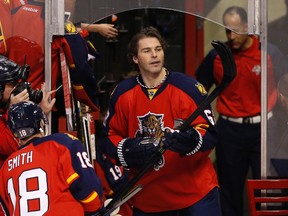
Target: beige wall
(213,31)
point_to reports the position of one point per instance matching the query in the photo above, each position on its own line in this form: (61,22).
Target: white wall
(212,31)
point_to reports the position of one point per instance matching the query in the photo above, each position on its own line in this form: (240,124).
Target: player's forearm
(92,204)
(116,132)
(89,27)
(209,139)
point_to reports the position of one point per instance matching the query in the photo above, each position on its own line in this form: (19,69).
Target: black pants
(238,149)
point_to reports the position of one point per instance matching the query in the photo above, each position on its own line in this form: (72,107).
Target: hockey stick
(124,199)
(229,68)
(68,99)
(229,74)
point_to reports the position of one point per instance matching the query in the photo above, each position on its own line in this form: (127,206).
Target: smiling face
(150,56)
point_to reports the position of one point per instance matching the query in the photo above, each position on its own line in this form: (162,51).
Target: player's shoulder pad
(213,52)
(122,87)
(65,139)
(188,85)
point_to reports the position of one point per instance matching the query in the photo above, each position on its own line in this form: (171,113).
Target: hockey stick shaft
(229,69)
(127,196)
(229,73)
(67,92)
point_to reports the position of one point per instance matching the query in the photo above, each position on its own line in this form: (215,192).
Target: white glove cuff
(120,153)
(198,146)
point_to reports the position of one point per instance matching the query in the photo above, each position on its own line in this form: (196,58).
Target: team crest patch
(71,136)
(201,88)
(70,28)
(256,69)
(152,125)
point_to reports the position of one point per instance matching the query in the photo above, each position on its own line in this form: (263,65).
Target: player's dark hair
(238,10)
(133,45)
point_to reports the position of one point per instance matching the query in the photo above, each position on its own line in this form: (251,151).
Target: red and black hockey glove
(134,152)
(185,142)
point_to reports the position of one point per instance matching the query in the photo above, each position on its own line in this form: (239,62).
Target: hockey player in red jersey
(143,111)
(112,176)
(48,175)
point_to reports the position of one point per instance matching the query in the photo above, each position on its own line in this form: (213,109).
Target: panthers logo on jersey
(201,88)
(70,27)
(151,125)
(71,136)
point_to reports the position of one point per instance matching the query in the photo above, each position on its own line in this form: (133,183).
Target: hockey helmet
(24,119)
(10,72)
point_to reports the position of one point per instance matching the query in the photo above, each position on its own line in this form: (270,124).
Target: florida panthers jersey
(175,182)
(29,22)
(6,8)
(50,176)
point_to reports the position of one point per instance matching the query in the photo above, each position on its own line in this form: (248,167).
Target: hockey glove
(134,152)
(185,142)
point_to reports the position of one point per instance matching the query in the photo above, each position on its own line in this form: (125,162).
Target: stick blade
(227,60)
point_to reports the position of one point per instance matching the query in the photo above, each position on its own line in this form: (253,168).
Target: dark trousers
(209,205)
(238,149)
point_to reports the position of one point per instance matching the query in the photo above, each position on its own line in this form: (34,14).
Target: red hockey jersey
(176,181)
(9,143)
(29,22)
(50,176)
(6,7)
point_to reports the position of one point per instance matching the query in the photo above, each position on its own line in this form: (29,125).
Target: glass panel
(130,15)
(277,140)
(92,11)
